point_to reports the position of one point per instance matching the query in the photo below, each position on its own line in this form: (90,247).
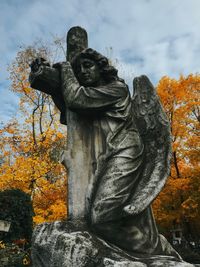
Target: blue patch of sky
(128,57)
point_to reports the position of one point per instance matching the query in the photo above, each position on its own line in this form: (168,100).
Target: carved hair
(109,73)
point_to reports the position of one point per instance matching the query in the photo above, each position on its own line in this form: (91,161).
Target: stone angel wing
(154,129)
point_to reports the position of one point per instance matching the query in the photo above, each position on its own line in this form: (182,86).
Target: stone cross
(79,156)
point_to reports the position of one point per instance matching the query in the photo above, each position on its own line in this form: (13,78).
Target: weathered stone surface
(67,244)
(113,263)
(167,263)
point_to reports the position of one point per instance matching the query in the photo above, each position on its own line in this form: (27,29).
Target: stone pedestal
(70,244)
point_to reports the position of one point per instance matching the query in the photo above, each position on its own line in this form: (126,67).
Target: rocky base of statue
(70,244)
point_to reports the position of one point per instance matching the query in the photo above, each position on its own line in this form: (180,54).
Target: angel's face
(88,72)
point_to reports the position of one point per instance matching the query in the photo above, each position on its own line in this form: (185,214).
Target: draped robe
(117,162)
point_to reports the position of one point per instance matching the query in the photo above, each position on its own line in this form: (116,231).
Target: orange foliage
(179,202)
(30,147)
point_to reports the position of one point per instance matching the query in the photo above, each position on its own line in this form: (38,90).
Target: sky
(151,37)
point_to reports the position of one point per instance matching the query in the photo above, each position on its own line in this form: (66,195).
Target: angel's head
(93,69)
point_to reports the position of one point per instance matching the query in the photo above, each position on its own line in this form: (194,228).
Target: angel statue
(134,148)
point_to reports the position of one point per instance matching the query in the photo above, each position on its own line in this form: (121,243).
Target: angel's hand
(37,63)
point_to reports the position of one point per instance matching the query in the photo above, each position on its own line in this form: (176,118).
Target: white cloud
(150,37)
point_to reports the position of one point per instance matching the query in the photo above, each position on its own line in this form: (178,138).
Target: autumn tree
(179,203)
(31,143)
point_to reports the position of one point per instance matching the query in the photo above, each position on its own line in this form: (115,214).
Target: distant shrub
(188,254)
(16,207)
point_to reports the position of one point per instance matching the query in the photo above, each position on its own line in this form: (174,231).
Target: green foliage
(16,207)
(12,255)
